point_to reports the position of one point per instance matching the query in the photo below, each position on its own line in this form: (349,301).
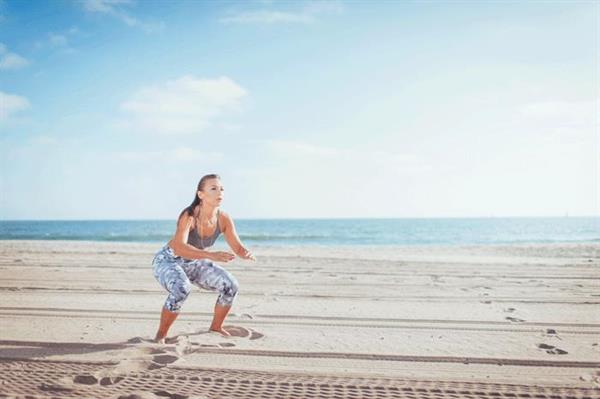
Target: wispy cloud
(563,113)
(43,140)
(104,6)
(180,154)
(116,9)
(185,105)
(10,104)
(309,13)
(59,41)
(349,157)
(111,7)
(10,60)
(321,180)
(268,17)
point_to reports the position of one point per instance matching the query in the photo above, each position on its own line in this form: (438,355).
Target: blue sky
(115,109)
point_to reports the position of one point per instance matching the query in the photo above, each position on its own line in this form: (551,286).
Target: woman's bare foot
(220,331)
(159,340)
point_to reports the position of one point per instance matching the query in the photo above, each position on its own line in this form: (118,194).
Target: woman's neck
(207,212)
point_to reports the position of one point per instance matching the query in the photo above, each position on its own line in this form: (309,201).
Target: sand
(77,320)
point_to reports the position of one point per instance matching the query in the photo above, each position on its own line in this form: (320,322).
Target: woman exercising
(184,260)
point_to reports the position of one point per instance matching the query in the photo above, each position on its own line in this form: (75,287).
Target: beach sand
(77,320)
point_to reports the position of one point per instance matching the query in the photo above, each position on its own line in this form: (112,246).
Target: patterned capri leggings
(176,274)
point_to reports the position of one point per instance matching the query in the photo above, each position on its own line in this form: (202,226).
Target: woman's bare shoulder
(224,215)
(184,225)
(224,219)
(185,218)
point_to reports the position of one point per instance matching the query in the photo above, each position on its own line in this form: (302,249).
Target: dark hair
(197,200)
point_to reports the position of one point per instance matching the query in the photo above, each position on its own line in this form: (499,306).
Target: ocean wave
(267,237)
(327,232)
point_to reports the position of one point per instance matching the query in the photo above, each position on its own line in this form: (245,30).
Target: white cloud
(269,17)
(10,60)
(104,6)
(10,104)
(115,9)
(330,180)
(307,14)
(323,6)
(185,105)
(42,140)
(554,123)
(181,154)
(349,157)
(563,113)
(57,40)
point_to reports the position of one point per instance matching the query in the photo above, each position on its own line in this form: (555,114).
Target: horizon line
(316,218)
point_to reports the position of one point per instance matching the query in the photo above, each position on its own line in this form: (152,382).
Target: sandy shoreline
(468,318)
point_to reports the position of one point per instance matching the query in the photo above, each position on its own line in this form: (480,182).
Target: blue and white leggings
(176,275)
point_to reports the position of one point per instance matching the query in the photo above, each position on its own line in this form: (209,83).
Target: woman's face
(212,193)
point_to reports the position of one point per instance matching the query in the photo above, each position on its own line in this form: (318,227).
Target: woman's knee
(233,286)
(178,293)
(229,291)
(181,289)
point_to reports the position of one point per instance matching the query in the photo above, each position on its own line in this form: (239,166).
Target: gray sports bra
(195,240)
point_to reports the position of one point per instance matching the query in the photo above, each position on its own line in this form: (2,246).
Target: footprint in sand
(138,395)
(88,379)
(514,319)
(550,332)
(234,331)
(129,365)
(551,349)
(139,340)
(155,395)
(242,332)
(155,358)
(219,345)
(166,394)
(205,345)
(104,381)
(64,384)
(594,379)
(165,359)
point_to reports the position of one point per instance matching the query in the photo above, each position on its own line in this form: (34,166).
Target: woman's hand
(221,256)
(247,255)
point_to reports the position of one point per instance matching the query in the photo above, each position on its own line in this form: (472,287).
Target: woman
(184,260)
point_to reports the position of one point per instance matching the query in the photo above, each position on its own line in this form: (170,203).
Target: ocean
(327,232)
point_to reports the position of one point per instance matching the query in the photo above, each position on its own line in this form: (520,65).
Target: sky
(114,109)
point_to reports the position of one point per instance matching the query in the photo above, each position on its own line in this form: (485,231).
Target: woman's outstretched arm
(232,238)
